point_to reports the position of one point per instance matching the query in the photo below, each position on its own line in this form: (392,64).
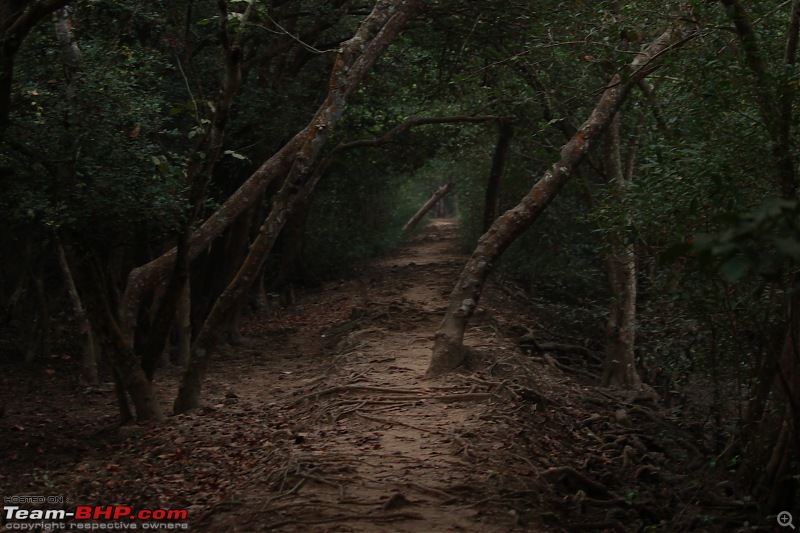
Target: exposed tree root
(394,422)
(364,388)
(430,491)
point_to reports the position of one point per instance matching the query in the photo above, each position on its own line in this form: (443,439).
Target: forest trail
(373,445)
(322,421)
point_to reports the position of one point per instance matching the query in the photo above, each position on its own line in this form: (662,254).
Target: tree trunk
(89,359)
(209,335)
(354,60)
(128,372)
(290,244)
(184,326)
(448,348)
(235,252)
(777,486)
(499,161)
(37,343)
(443,191)
(165,314)
(619,368)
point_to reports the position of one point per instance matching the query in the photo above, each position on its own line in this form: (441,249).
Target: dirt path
(373,445)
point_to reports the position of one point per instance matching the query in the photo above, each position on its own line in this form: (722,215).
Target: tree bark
(448,348)
(72,60)
(354,60)
(619,368)
(435,198)
(499,161)
(184,326)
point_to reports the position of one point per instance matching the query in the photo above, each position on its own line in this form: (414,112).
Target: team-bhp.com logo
(92,517)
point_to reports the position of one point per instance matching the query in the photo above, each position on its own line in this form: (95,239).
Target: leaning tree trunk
(354,60)
(435,198)
(619,368)
(448,348)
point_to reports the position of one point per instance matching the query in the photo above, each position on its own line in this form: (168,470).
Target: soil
(322,420)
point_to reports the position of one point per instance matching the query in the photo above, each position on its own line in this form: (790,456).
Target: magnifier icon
(785,519)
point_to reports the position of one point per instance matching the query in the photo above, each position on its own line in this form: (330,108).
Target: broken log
(427,206)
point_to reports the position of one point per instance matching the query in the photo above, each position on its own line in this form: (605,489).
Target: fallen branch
(427,206)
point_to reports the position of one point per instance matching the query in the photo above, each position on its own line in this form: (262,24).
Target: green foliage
(763,242)
(125,183)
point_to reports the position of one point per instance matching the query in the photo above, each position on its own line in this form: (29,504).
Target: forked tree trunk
(355,59)
(435,198)
(128,373)
(448,348)
(619,368)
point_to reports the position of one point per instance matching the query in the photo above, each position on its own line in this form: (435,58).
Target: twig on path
(355,377)
(465,448)
(394,422)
